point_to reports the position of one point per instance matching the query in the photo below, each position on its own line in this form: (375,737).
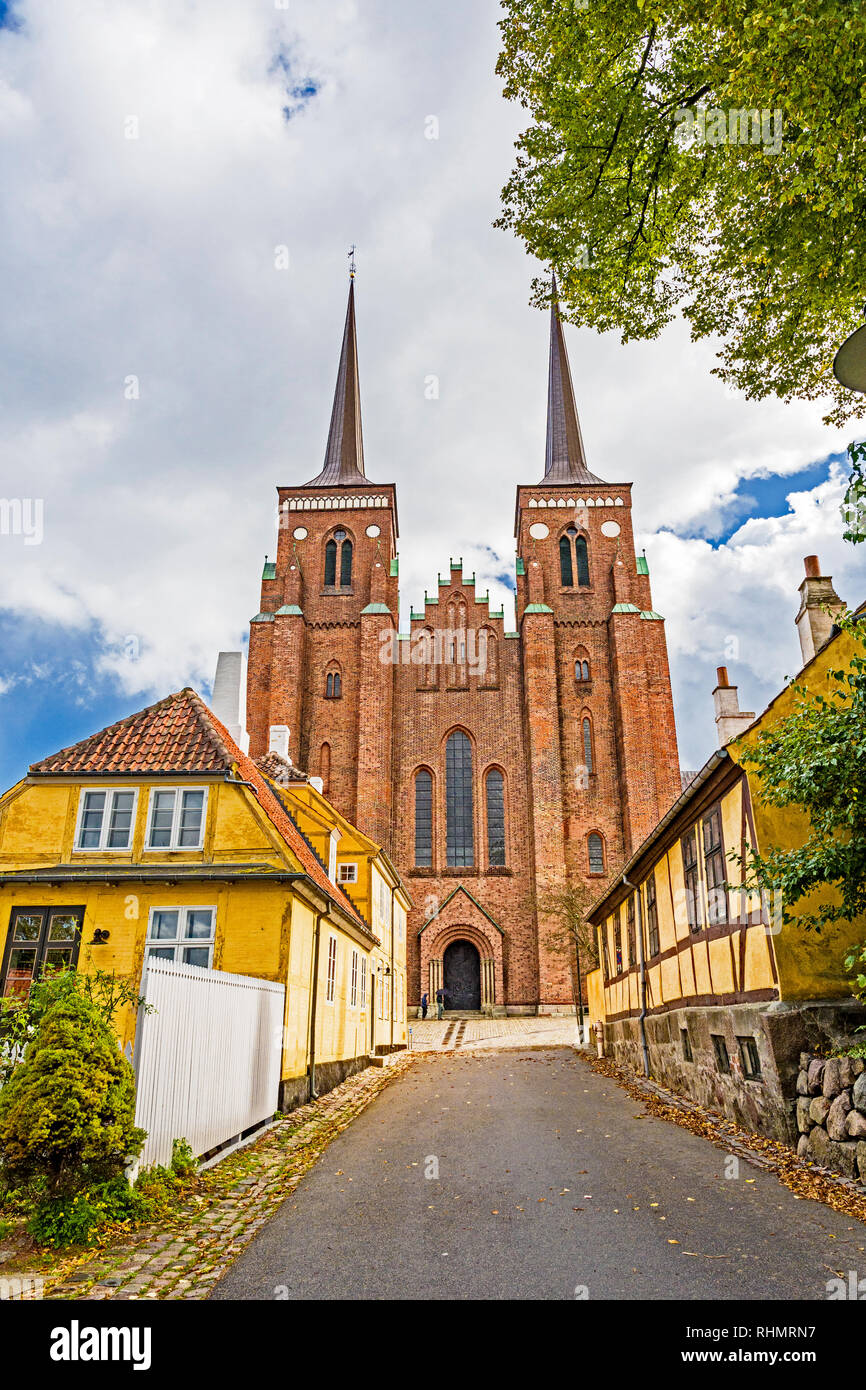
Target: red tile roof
(180,734)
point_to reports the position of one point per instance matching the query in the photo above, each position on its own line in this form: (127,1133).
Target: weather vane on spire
(352,262)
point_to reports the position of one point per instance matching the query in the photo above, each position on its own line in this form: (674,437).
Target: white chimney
(228,688)
(278,740)
(813,624)
(318,783)
(730,719)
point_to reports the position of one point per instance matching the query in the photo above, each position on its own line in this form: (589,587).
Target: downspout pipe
(642,973)
(314,994)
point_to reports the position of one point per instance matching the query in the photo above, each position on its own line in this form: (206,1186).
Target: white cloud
(154,258)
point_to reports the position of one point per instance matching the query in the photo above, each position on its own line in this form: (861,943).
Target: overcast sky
(161,373)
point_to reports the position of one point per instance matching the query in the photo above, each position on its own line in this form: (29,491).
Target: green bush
(67,1111)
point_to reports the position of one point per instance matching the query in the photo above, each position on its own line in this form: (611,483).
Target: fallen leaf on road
(673,1242)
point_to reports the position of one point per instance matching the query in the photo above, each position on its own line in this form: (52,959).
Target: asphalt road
(551,1179)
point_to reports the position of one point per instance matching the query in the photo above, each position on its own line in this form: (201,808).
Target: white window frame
(175,821)
(348,873)
(363,992)
(181,941)
(331,979)
(102,847)
(353,988)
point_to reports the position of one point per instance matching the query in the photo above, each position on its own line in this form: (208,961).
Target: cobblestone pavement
(429,1035)
(207,1235)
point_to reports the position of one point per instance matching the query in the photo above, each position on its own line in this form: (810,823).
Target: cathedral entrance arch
(461,970)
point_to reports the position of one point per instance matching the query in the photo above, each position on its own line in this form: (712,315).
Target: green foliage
(759,242)
(855,964)
(183,1161)
(67,1110)
(20,1015)
(815,760)
(854,501)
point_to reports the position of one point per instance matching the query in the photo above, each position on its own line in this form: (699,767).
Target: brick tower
(493,766)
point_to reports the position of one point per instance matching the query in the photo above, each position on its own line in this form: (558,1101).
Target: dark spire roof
(564,461)
(344,456)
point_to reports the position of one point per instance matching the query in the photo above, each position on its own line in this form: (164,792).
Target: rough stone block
(804,1119)
(819,1109)
(831,1083)
(861,1159)
(803,1083)
(847,1074)
(843,1157)
(837,1116)
(805,1059)
(858,1095)
(816,1076)
(803,1147)
(819,1146)
(855,1125)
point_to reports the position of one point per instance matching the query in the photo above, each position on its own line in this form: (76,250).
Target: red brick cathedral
(494,767)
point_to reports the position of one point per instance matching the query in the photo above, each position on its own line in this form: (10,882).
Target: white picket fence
(207,1057)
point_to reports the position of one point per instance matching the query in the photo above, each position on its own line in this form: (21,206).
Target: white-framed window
(363,982)
(353,993)
(332,971)
(182,934)
(106,818)
(176,818)
(348,873)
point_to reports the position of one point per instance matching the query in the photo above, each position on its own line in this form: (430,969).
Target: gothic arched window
(495,818)
(587,745)
(595,848)
(460,838)
(333,685)
(573,559)
(338,544)
(581,665)
(423,819)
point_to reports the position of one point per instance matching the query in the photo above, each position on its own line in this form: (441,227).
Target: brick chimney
(813,624)
(730,719)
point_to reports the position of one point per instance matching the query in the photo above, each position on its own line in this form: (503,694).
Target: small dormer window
(348,873)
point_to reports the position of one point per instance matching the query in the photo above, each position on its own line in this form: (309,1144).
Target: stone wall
(831,1113)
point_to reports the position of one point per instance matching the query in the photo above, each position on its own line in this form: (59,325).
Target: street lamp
(849,364)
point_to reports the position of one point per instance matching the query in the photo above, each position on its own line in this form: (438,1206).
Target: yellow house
(370,880)
(700,984)
(159,837)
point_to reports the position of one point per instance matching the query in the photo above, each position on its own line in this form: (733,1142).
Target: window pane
(57,958)
(162,812)
(582,558)
(587,745)
(22,963)
(161,952)
(190,818)
(164,925)
(496,817)
(199,924)
(28,925)
(596,854)
(331,562)
(346,564)
(458,794)
(566,573)
(91,820)
(120,824)
(424,820)
(62,926)
(196,955)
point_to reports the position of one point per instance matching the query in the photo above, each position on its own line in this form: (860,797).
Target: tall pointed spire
(565,461)
(344,456)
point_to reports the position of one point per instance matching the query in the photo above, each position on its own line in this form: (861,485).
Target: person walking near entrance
(423,1005)
(440,1002)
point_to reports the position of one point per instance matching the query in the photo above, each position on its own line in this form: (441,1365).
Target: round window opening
(538,531)
(339,535)
(300,533)
(609,528)
(373,531)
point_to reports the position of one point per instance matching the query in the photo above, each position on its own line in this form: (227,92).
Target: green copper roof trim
(375,608)
(456,564)
(512,634)
(651,614)
(541,608)
(497,613)
(270,569)
(404,636)
(413,615)
(263,618)
(395,567)
(624,608)
(521,568)
(291,608)
(642,566)
(429,600)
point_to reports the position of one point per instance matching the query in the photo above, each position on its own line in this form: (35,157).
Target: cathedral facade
(496,768)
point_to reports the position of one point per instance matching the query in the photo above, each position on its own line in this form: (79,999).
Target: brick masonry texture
(523,715)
